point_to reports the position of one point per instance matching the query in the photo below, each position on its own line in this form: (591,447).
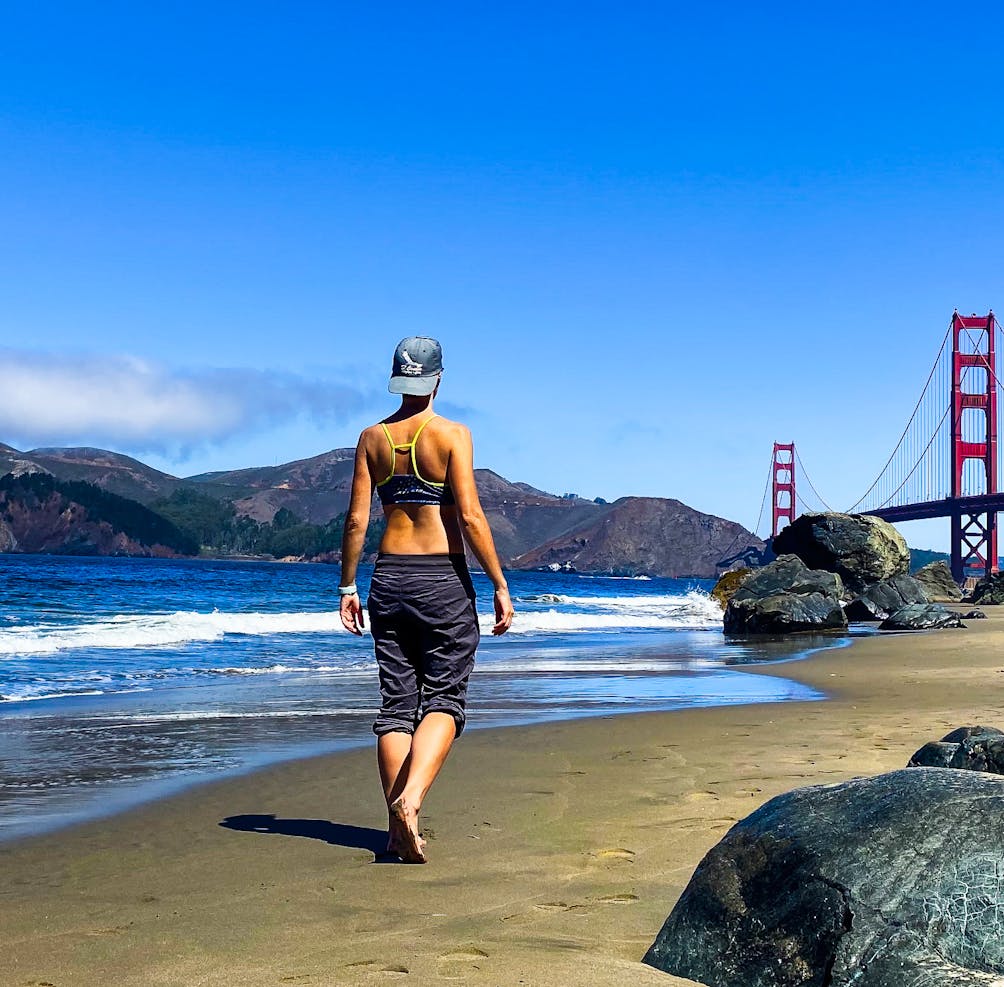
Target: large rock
(921,617)
(938,583)
(892,881)
(785,597)
(989,590)
(942,753)
(860,548)
(878,601)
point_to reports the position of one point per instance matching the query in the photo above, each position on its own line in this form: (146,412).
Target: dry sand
(556,851)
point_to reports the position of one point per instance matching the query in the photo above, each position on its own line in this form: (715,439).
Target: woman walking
(421,600)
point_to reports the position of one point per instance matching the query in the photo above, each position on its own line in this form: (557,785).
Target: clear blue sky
(652,237)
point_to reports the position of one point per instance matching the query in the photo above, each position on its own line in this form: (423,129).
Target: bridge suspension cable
(938,361)
(812,486)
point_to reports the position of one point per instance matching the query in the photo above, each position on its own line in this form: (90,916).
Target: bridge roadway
(948,507)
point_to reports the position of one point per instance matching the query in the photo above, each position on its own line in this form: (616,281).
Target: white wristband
(349,590)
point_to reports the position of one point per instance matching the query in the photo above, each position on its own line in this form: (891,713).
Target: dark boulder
(878,601)
(785,597)
(878,882)
(936,754)
(788,574)
(861,549)
(989,590)
(974,615)
(938,582)
(921,617)
(964,733)
(785,613)
(980,752)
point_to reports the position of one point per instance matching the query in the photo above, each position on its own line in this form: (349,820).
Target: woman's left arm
(353,536)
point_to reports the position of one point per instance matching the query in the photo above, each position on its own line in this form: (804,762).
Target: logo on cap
(409,366)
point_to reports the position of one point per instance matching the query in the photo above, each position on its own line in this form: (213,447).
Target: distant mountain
(111,471)
(651,536)
(315,489)
(531,527)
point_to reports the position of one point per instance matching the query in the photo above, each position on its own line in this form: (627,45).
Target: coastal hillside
(41,514)
(315,489)
(652,536)
(295,510)
(111,471)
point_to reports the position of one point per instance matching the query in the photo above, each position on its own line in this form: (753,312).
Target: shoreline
(552,847)
(127,796)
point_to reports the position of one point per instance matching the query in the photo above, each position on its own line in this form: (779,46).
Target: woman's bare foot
(410,847)
(395,839)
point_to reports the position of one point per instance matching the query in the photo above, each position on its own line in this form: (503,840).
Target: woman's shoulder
(449,429)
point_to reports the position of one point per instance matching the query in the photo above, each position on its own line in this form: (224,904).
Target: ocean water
(122,680)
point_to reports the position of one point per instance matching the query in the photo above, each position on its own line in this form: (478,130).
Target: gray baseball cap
(418,362)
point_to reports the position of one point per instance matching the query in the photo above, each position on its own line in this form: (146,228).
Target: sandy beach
(556,851)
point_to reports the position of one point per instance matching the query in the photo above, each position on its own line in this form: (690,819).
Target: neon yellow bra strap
(405,446)
(414,461)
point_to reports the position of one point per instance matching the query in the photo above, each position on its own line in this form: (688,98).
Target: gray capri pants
(425,631)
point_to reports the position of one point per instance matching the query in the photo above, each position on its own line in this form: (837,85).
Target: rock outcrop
(989,590)
(726,587)
(921,617)
(42,514)
(877,882)
(936,578)
(878,601)
(8,543)
(967,748)
(861,549)
(784,597)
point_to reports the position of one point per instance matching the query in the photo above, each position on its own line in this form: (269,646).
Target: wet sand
(556,851)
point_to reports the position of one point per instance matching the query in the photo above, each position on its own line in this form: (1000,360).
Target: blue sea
(122,680)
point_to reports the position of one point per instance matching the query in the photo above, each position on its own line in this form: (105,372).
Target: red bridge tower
(783,490)
(974,536)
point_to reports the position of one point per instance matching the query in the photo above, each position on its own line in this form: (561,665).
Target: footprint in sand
(376,968)
(699,796)
(458,963)
(625,898)
(616,853)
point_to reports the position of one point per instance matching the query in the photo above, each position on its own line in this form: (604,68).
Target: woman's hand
(503,611)
(351,611)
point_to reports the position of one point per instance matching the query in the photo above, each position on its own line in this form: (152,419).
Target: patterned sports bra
(411,488)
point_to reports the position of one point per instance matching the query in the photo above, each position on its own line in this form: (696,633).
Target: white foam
(157,630)
(694,610)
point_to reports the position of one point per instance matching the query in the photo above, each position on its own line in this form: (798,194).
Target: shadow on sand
(337,834)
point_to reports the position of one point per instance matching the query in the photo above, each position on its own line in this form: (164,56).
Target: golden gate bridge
(945,463)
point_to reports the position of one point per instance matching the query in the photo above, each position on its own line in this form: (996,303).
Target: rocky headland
(295,510)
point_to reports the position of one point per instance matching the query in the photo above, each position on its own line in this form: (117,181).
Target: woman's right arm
(353,537)
(474,524)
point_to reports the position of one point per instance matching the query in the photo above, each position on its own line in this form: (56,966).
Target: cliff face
(649,536)
(40,514)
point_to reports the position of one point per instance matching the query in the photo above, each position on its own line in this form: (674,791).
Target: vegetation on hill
(216,527)
(32,491)
(919,557)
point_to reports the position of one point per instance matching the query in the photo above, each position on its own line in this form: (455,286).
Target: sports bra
(411,488)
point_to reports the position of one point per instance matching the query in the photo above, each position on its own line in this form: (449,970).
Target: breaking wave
(159,630)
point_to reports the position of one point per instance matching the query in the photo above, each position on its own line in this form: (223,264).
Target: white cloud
(126,401)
